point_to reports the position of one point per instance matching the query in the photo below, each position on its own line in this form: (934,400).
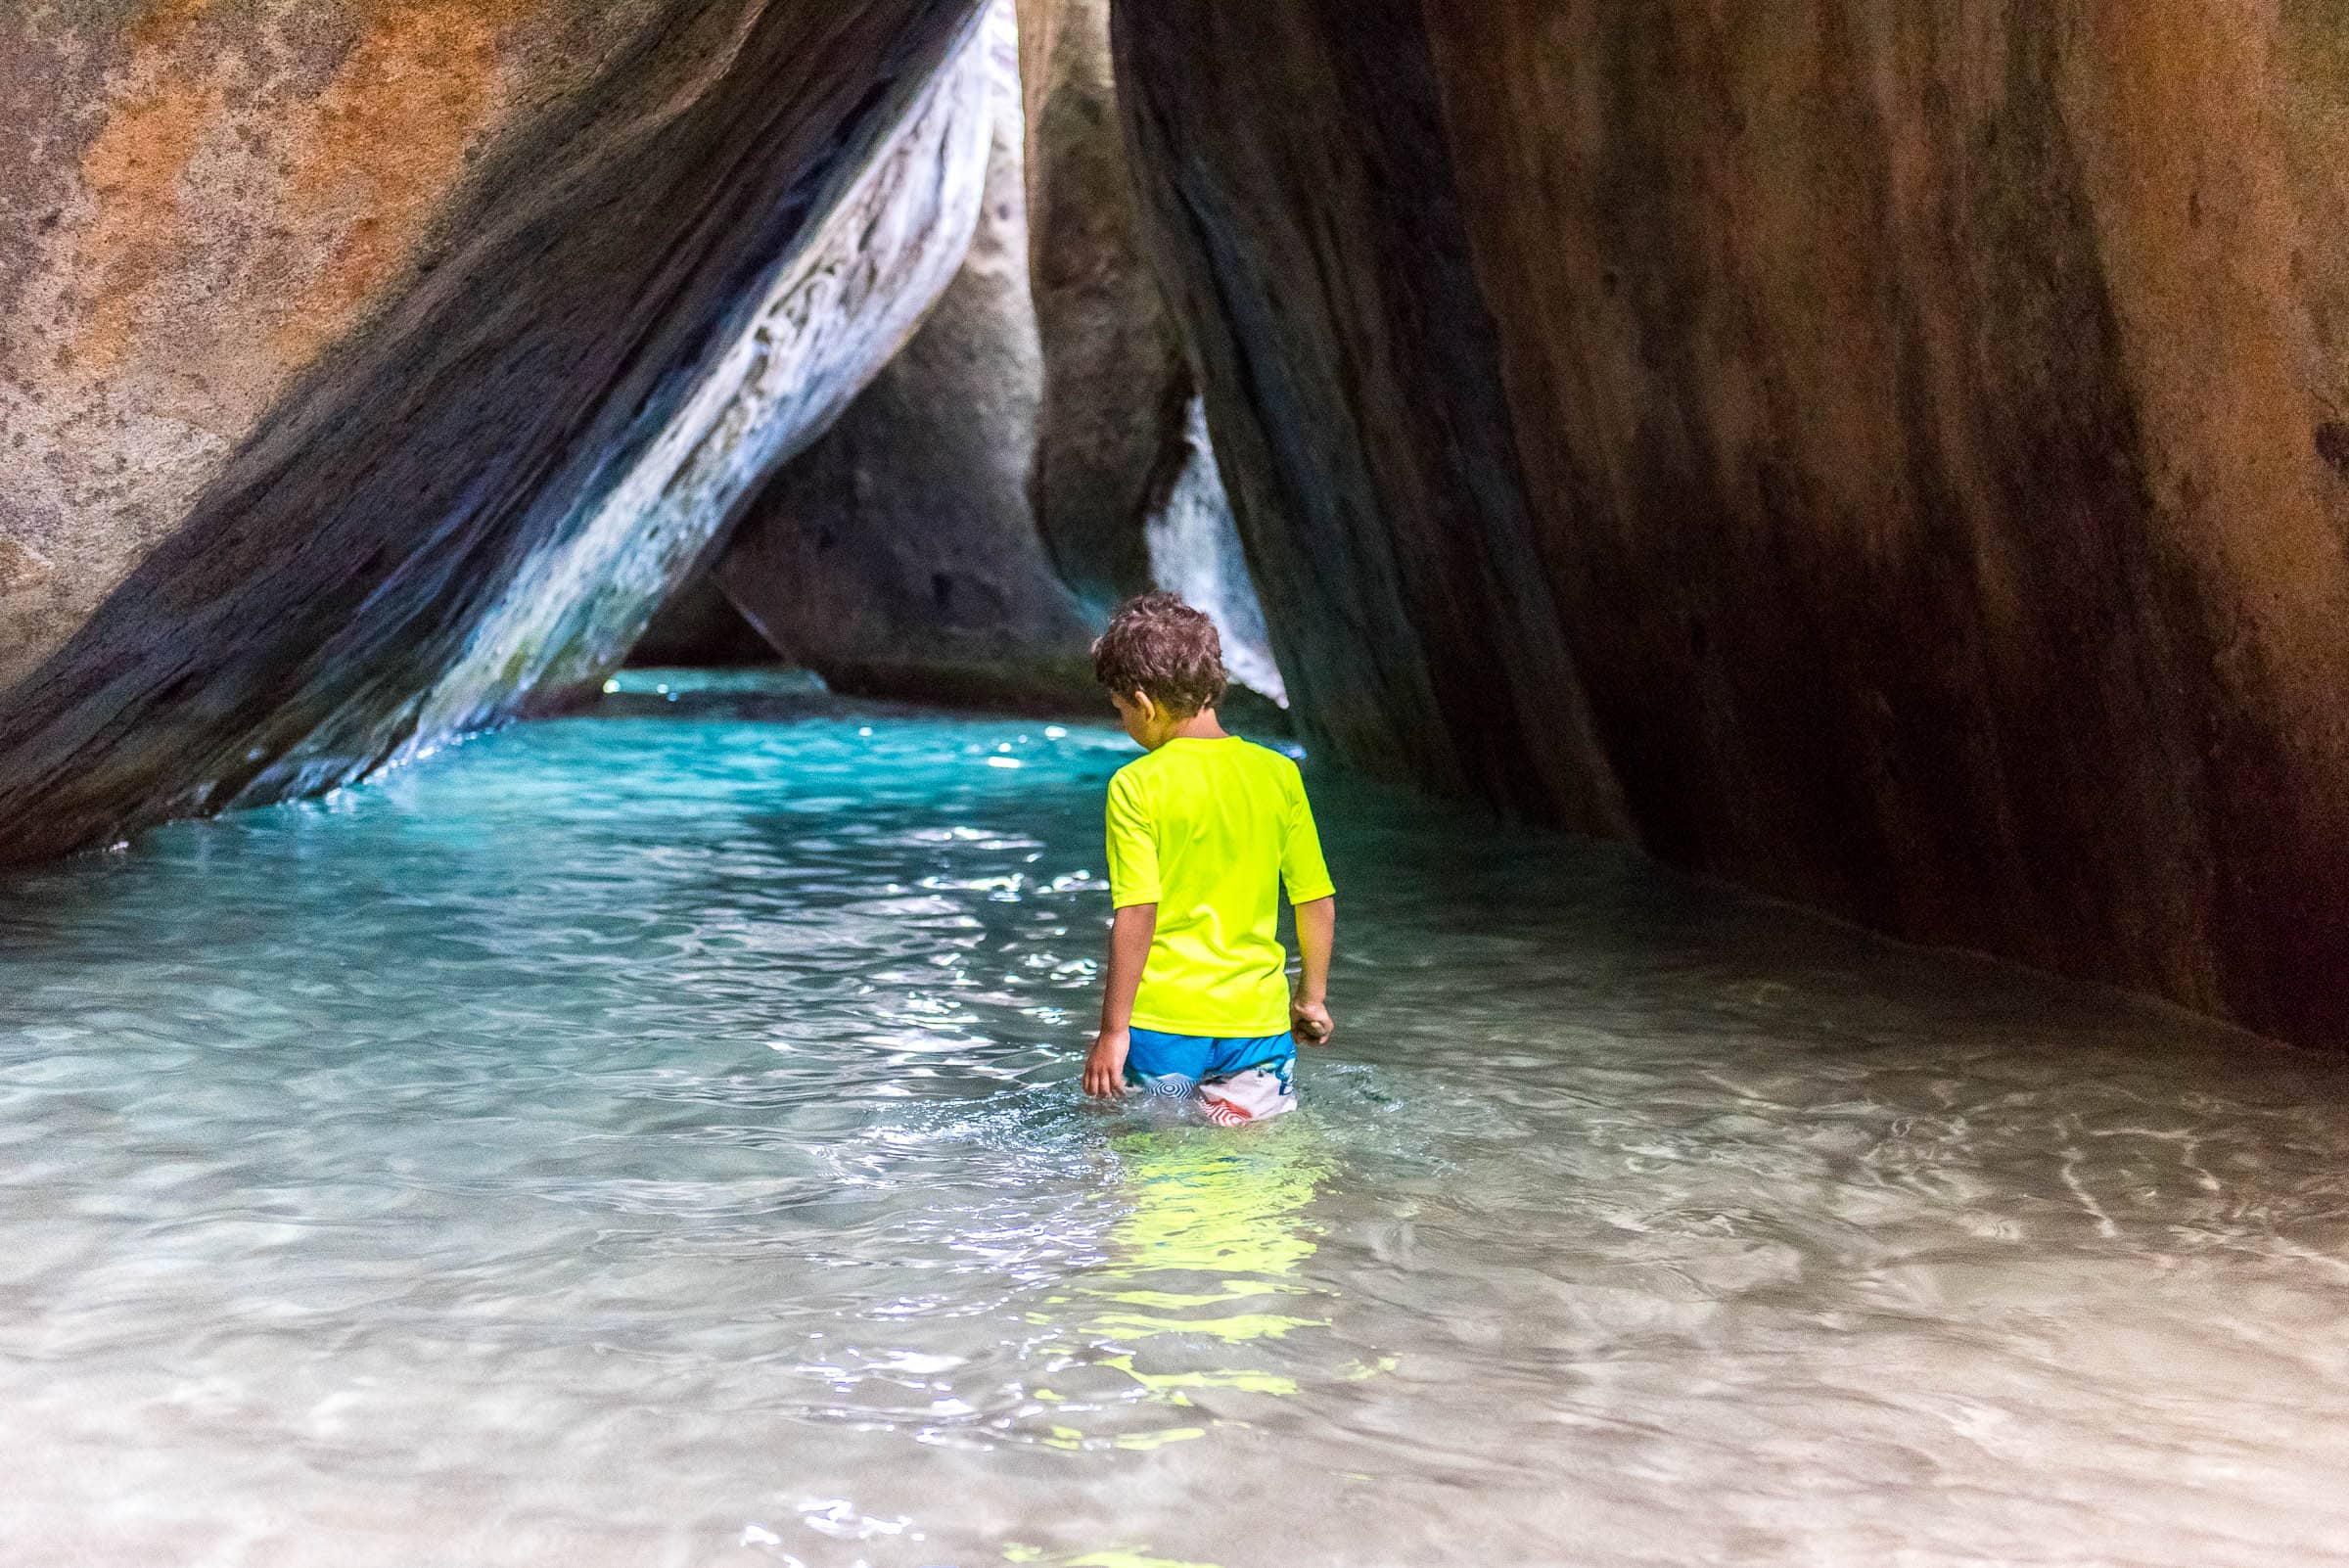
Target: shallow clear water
(654,1140)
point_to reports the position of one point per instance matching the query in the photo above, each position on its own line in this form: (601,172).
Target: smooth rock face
(1299,198)
(373,369)
(1890,455)
(795,357)
(195,201)
(899,556)
(1110,438)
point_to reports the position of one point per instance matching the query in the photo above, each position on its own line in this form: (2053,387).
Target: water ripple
(654,1141)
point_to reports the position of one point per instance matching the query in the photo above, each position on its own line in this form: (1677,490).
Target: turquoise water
(652,1140)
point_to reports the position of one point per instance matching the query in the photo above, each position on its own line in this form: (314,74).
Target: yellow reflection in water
(1203,1264)
(1096,1560)
(1201,1282)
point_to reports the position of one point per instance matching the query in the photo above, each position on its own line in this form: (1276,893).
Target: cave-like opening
(552,793)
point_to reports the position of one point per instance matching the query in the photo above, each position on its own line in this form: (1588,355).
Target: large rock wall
(1301,209)
(349,343)
(1893,455)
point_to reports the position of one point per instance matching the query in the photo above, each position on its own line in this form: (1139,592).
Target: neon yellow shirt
(1210,830)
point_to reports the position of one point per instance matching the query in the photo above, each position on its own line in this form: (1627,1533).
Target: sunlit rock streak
(833,316)
(899,556)
(1195,551)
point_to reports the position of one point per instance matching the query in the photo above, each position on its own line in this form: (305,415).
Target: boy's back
(1210,831)
(1203,831)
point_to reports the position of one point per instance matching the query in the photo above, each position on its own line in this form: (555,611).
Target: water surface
(654,1140)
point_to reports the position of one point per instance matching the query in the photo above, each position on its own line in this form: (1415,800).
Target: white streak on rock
(1195,552)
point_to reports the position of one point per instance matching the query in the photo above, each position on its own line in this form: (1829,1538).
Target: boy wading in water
(1204,831)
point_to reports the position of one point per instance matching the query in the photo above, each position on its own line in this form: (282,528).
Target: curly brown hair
(1160,646)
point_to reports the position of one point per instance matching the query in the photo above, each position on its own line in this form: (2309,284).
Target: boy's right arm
(1130,937)
(1133,889)
(1308,1007)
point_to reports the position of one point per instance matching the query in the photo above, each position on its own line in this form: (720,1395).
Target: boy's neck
(1201,725)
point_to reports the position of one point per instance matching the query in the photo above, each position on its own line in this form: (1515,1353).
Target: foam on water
(654,1141)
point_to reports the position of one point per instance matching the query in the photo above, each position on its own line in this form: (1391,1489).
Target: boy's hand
(1105,1064)
(1310,1022)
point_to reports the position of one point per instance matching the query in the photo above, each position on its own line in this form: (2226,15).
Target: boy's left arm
(1306,874)
(1130,938)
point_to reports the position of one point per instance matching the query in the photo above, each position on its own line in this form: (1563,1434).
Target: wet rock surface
(339,341)
(1878,454)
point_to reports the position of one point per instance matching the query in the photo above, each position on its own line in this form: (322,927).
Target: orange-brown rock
(349,342)
(1890,454)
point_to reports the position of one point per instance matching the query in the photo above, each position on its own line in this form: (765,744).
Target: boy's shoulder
(1130,783)
(1271,759)
(1178,763)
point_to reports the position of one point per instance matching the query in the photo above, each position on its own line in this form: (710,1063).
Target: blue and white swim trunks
(1235,1079)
